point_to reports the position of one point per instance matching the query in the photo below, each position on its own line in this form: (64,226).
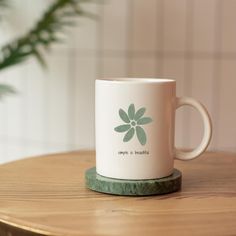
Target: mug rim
(135,80)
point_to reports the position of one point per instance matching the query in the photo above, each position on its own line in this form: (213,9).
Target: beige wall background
(193,41)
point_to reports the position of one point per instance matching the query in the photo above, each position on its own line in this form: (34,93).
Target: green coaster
(103,184)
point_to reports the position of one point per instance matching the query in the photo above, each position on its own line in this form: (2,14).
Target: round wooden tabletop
(47,195)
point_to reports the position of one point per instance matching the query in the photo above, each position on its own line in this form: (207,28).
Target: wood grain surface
(47,195)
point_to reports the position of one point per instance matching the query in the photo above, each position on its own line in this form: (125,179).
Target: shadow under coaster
(103,184)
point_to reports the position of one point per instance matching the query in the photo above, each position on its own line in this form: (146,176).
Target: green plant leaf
(131,111)
(124,116)
(6,90)
(122,128)
(139,113)
(40,59)
(59,16)
(129,135)
(144,121)
(141,135)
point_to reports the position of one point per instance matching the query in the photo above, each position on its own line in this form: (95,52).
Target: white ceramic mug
(135,126)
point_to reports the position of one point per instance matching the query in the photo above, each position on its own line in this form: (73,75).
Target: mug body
(135,127)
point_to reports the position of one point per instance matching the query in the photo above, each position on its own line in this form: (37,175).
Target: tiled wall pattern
(193,41)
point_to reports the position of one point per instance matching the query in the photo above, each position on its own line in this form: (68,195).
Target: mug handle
(188,155)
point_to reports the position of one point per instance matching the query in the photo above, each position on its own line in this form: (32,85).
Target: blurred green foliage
(60,15)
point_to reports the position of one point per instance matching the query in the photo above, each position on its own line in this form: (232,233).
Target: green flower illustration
(133,121)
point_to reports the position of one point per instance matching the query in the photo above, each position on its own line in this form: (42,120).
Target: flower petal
(124,116)
(122,128)
(144,121)
(129,135)
(131,111)
(139,113)
(141,135)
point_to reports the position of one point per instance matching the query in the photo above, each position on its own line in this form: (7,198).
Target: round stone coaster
(103,184)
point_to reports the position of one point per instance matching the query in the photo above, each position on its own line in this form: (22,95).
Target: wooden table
(47,195)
